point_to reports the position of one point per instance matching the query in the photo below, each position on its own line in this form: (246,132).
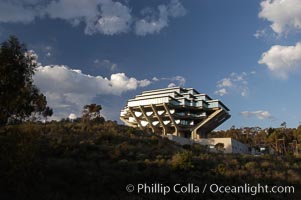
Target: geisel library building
(181,114)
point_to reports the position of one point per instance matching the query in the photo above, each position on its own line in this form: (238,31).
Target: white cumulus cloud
(115,18)
(260,114)
(285,15)
(68,90)
(282,60)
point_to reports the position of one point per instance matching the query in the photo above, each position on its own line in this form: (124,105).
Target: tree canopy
(91,112)
(19,97)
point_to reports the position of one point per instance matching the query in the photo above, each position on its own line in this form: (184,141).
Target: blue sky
(245,53)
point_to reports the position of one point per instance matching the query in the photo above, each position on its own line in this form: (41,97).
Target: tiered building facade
(182,112)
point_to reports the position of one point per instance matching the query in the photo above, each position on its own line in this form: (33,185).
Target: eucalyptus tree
(19,97)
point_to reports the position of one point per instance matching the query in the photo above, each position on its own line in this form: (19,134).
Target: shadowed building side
(178,111)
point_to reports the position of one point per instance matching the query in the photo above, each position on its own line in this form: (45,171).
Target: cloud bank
(99,16)
(106,17)
(68,90)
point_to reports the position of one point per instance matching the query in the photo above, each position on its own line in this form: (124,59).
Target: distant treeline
(280,140)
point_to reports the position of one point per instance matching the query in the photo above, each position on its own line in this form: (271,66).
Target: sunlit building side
(177,111)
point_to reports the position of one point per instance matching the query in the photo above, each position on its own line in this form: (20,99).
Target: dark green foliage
(19,98)
(48,112)
(65,160)
(91,112)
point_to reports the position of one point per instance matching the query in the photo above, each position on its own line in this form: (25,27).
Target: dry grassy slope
(96,161)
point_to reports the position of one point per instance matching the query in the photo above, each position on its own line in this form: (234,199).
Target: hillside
(64,160)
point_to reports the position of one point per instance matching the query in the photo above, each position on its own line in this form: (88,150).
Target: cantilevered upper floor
(179,111)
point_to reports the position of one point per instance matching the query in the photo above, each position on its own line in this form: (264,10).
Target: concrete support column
(136,118)
(194,134)
(154,108)
(172,119)
(148,119)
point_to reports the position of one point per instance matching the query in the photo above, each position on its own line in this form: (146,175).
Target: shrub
(251,165)
(220,169)
(182,160)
